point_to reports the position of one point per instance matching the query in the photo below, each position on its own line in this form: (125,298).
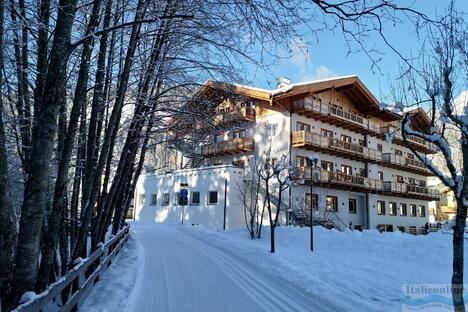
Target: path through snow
(185,271)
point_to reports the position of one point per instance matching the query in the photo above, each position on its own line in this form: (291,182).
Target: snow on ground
(119,284)
(357,271)
(196,269)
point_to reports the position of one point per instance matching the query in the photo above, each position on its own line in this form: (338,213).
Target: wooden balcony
(328,113)
(341,181)
(403,163)
(234,115)
(334,146)
(233,146)
(315,109)
(338,180)
(410,191)
(418,143)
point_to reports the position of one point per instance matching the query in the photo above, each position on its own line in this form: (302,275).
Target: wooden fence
(75,286)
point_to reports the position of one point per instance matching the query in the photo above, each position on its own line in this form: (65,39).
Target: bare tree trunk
(41,66)
(96,106)
(59,204)
(22,100)
(458,255)
(35,194)
(113,124)
(7,213)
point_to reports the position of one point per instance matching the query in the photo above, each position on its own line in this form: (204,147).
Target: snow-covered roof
(289,87)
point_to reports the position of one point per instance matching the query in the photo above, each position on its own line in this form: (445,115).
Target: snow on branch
(455,180)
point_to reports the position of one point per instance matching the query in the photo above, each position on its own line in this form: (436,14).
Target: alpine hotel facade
(365,176)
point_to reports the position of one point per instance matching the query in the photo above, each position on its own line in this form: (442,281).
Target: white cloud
(300,58)
(322,72)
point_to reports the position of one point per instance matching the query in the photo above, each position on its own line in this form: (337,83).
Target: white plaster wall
(202,180)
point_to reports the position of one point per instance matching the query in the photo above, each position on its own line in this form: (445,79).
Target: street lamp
(312,162)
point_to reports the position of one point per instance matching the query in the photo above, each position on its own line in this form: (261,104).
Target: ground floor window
(165,201)
(392,209)
(314,201)
(142,199)
(413,210)
(380,207)
(195,198)
(154,199)
(422,211)
(403,210)
(352,205)
(332,203)
(401,228)
(212,197)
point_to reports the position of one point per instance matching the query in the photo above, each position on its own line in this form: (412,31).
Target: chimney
(282,82)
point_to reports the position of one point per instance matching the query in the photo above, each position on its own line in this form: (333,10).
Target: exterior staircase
(327,219)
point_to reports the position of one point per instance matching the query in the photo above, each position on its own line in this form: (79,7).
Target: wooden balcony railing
(331,114)
(411,191)
(405,163)
(234,114)
(233,146)
(338,179)
(418,143)
(351,120)
(334,146)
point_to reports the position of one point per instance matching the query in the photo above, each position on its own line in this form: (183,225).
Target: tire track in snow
(275,293)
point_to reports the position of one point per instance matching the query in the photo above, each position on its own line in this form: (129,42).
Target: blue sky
(326,55)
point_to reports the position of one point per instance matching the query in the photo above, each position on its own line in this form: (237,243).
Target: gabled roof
(350,85)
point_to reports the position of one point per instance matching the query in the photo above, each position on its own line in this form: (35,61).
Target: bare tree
(436,77)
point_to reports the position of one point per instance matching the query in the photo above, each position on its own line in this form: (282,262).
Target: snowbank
(359,271)
(116,288)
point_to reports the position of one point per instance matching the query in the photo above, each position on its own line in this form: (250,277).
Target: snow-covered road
(184,271)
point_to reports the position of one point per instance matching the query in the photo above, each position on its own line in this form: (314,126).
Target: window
(380,207)
(301,161)
(314,201)
(398,152)
(403,210)
(195,198)
(300,126)
(379,147)
(361,143)
(422,211)
(392,209)
(399,179)
(271,129)
(412,210)
(380,175)
(352,205)
(165,199)
(238,134)
(219,138)
(142,199)
(154,199)
(411,181)
(347,169)
(212,197)
(326,165)
(362,172)
(238,163)
(345,138)
(332,203)
(327,133)
(411,156)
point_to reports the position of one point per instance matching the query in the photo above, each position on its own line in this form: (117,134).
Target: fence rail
(78,282)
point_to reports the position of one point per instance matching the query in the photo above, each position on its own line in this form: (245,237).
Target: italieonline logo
(430,297)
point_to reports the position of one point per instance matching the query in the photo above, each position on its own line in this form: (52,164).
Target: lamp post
(312,161)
